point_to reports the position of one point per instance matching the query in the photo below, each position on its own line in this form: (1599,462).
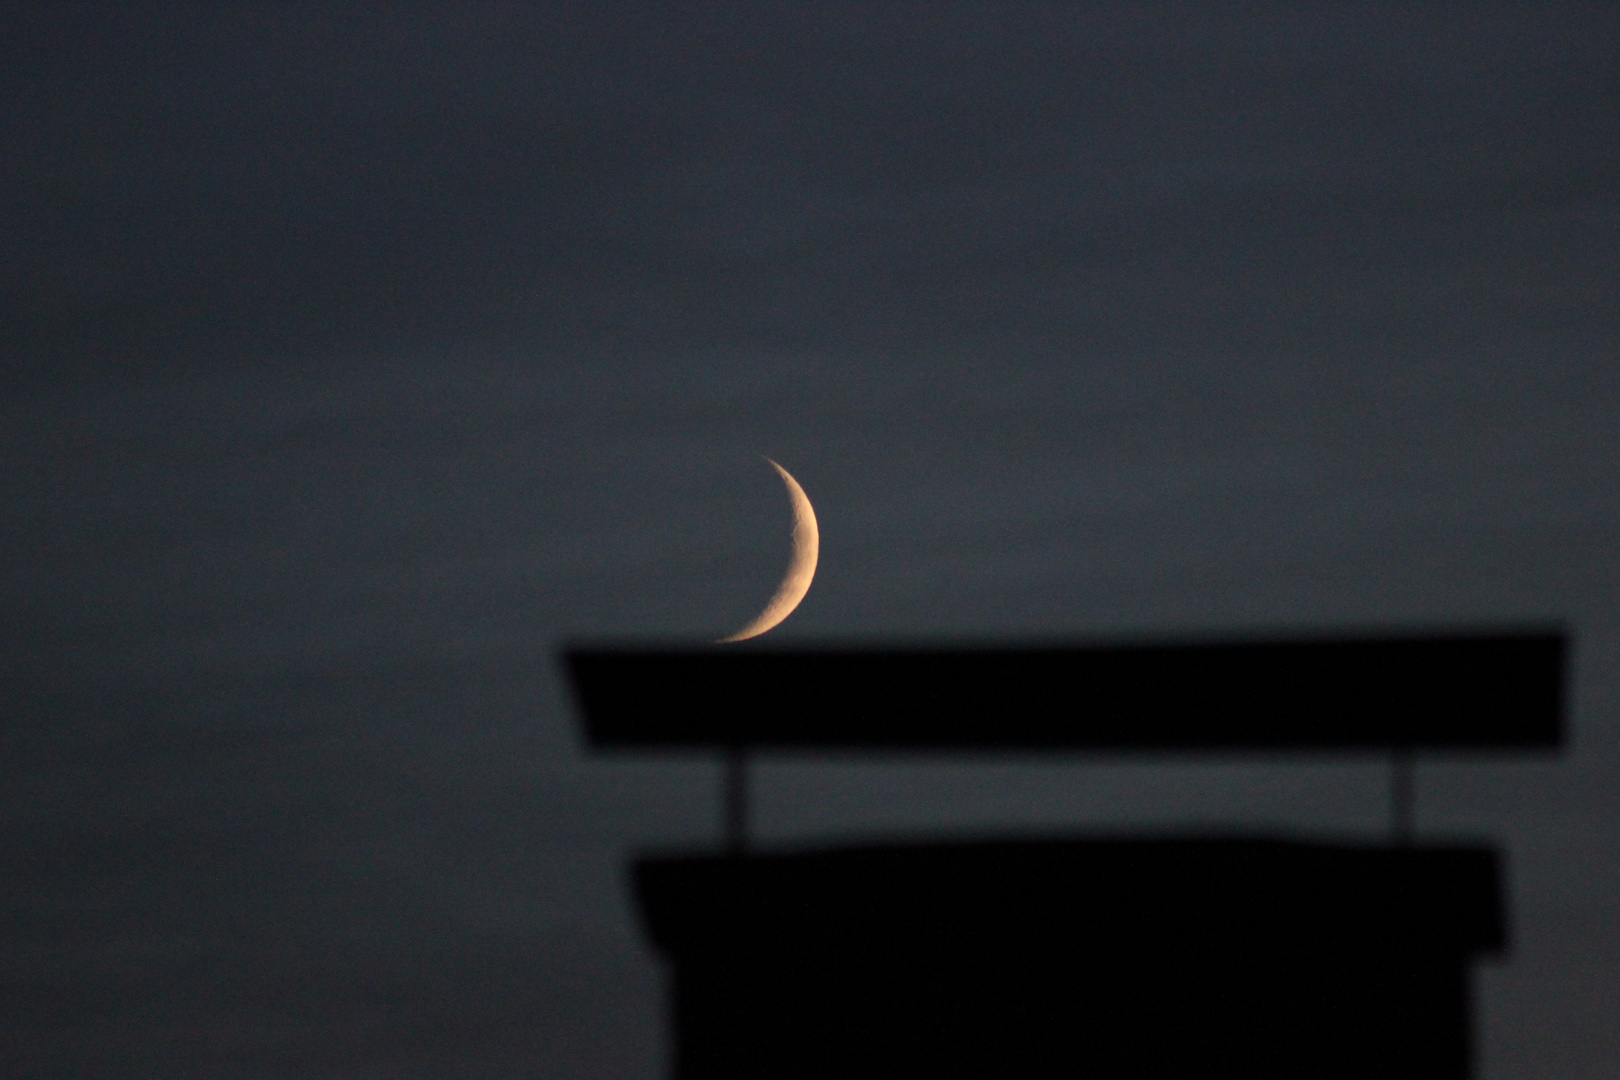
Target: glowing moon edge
(801,567)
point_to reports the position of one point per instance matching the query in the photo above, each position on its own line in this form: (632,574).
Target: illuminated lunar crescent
(802,567)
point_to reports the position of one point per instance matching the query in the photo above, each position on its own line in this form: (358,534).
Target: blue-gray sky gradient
(350,360)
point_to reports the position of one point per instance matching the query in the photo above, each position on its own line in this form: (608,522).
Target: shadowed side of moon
(801,567)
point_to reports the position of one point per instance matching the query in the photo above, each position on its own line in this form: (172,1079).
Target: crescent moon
(801,568)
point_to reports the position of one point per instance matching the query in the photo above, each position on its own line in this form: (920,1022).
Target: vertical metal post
(735,800)
(1402,798)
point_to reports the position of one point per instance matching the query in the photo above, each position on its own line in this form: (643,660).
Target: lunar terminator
(801,568)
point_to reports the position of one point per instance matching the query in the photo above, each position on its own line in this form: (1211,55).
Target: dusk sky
(355,357)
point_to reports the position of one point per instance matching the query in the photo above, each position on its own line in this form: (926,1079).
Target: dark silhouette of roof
(1094,958)
(1075,958)
(1463,691)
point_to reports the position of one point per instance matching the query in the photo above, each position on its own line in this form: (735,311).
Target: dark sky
(351,358)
